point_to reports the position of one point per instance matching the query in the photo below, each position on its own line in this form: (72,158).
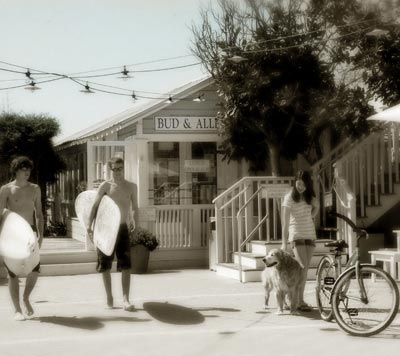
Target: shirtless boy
(124,194)
(23,198)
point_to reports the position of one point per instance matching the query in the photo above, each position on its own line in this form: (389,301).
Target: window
(182,173)
(165,172)
(204,173)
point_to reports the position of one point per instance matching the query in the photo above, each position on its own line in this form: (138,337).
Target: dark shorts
(302,242)
(122,250)
(36,269)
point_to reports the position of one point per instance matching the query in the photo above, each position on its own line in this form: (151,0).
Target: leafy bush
(143,237)
(55,229)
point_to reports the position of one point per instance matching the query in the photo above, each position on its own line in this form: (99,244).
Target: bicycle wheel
(325,279)
(369,316)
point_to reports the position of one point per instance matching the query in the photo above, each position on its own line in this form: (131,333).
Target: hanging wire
(183,56)
(77,78)
(40,82)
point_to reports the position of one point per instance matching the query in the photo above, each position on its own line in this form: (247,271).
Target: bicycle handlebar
(356,229)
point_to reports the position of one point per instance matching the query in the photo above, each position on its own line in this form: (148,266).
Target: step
(231,270)
(66,257)
(63,263)
(254,260)
(67,269)
(250,260)
(262,247)
(70,269)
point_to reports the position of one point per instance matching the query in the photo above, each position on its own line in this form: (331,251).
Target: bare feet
(110,303)
(19,317)
(128,306)
(28,307)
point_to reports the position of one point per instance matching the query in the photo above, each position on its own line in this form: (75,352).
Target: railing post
(196,242)
(219,236)
(317,190)
(248,212)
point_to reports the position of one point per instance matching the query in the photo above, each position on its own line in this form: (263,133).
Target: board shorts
(122,249)
(37,267)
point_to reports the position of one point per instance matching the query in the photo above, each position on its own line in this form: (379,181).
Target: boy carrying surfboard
(24,198)
(124,194)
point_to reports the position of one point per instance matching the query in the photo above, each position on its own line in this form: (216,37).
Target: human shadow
(85,323)
(231,310)
(173,313)
(313,314)
(161,271)
(180,315)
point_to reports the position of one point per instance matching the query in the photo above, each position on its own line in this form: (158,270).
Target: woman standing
(298,210)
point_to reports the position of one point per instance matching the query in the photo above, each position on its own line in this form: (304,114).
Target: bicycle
(363,299)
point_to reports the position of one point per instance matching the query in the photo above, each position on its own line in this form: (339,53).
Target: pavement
(177,312)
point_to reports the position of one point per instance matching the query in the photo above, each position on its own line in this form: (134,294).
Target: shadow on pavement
(160,272)
(180,315)
(313,315)
(219,309)
(86,323)
(3,281)
(173,313)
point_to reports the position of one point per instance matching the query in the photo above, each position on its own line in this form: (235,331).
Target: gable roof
(134,114)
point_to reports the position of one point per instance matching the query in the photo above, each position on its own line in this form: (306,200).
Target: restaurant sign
(172,123)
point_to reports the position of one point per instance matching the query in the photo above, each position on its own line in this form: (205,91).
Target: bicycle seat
(337,244)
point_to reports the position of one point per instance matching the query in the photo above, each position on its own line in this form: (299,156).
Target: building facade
(170,151)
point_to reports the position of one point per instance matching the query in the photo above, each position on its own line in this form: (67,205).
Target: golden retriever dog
(282,273)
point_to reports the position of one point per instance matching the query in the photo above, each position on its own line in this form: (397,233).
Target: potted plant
(142,242)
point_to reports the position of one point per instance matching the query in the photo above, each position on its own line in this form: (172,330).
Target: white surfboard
(106,223)
(18,244)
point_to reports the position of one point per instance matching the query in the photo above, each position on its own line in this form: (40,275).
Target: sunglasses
(118,169)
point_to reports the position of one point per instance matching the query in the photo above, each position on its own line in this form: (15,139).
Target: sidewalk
(182,312)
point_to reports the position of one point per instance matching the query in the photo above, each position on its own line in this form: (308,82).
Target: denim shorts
(302,242)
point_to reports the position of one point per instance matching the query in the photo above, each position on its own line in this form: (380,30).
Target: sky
(84,36)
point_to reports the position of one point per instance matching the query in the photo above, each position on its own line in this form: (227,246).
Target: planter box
(139,259)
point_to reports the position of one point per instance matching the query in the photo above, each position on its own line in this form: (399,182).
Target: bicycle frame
(354,259)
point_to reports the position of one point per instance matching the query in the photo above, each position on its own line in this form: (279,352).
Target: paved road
(187,312)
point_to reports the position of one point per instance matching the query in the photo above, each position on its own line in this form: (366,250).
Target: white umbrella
(391,114)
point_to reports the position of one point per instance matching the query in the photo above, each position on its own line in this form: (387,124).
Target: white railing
(371,168)
(323,177)
(183,226)
(232,227)
(365,170)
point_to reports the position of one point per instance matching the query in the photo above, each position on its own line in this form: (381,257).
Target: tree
(271,102)
(31,135)
(378,58)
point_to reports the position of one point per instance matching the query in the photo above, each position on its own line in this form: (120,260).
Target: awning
(391,114)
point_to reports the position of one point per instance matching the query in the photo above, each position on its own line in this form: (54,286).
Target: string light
(377,33)
(200,98)
(237,59)
(125,74)
(87,89)
(32,86)
(28,74)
